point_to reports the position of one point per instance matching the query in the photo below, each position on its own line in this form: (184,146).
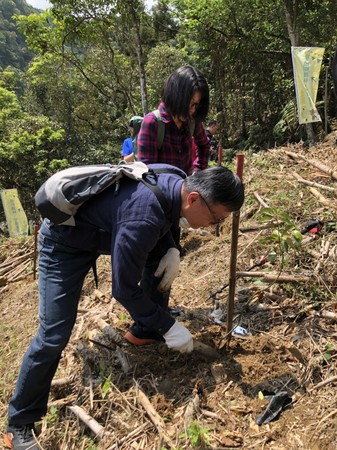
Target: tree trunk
(291,13)
(141,65)
(310,134)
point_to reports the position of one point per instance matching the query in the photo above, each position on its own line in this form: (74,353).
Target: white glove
(179,338)
(168,269)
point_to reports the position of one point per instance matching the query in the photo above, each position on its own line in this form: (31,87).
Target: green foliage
(90,444)
(106,387)
(13,80)
(95,87)
(13,48)
(29,150)
(9,108)
(255,136)
(328,350)
(285,235)
(162,61)
(197,435)
(287,128)
(52,416)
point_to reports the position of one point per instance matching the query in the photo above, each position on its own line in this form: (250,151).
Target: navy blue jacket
(130,223)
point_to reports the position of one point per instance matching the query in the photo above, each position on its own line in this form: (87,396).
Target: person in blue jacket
(126,224)
(127,146)
(127,150)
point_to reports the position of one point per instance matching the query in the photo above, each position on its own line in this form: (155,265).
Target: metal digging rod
(233,257)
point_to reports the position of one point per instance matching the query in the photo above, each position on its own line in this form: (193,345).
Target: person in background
(126,225)
(127,147)
(183,108)
(211,130)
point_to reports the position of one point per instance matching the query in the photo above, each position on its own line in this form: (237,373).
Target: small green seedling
(197,434)
(106,386)
(285,235)
(328,350)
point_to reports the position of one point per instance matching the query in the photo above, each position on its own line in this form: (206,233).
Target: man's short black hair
(217,185)
(179,89)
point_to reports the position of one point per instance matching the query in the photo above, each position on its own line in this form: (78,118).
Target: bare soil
(152,398)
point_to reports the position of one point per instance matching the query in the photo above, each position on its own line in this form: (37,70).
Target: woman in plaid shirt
(185,100)
(184,106)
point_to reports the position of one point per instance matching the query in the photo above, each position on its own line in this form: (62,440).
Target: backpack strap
(161,128)
(150,180)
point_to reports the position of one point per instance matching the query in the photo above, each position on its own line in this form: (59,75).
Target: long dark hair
(178,91)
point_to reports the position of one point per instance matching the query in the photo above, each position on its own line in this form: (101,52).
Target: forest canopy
(72,76)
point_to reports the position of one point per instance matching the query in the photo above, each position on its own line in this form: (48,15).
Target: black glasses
(215,220)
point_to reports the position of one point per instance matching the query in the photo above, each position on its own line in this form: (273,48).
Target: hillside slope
(151,398)
(14,51)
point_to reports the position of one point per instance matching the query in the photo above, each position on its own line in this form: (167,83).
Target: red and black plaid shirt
(177,144)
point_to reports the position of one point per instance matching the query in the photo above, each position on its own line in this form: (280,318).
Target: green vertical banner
(15,216)
(307,63)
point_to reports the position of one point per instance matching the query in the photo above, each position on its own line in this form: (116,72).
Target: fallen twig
(18,272)
(59,382)
(20,277)
(89,421)
(192,408)
(313,183)
(259,227)
(322,199)
(133,433)
(328,315)
(260,200)
(331,414)
(275,277)
(62,401)
(154,416)
(109,331)
(322,167)
(248,213)
(324,383)
(213,415)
